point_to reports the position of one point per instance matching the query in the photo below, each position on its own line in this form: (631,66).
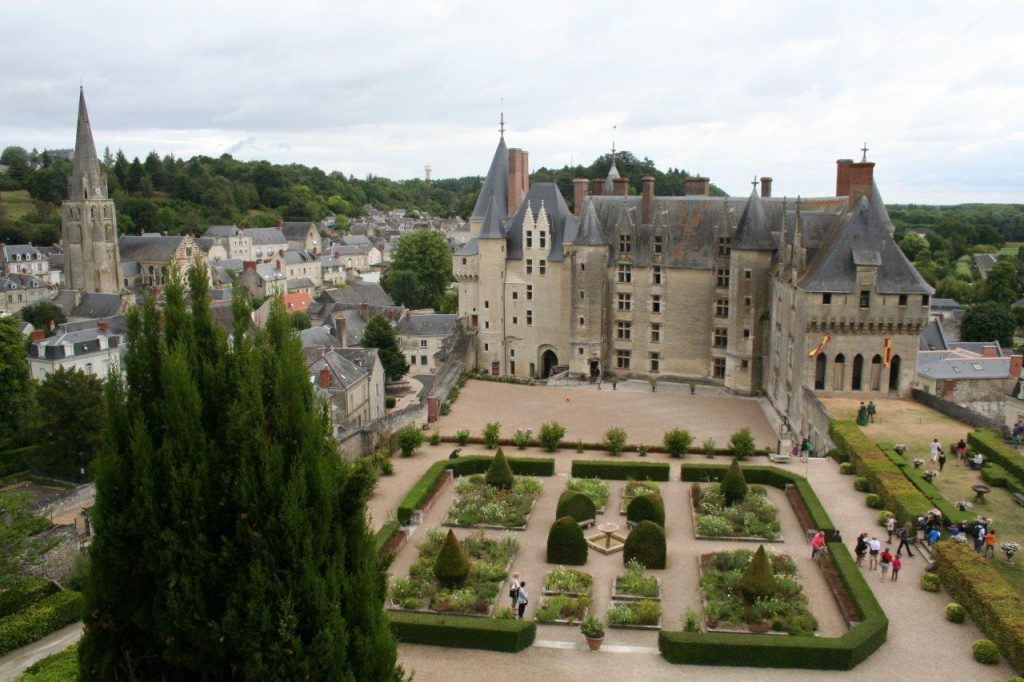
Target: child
(896,566)
(990,543)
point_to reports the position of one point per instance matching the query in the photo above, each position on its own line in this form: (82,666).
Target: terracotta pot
(594,642)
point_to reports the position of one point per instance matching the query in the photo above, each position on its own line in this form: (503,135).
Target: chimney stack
(341,329)
(1015,365)
(648,198)
(579,195)
(855,180)
(249,265)
(697,185)
(325,378)
(364,311)
(621,187)
(38,335)
(518,178)
(103,326)
(989,352)
(766,187)
(596,186)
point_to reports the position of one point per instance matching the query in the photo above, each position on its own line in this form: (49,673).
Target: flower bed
(566,596)
(568,581)
(644,614)
(594,488)
(784,611)
(489,559)
(479,504)
(636,584)
(752,518)
(635,489)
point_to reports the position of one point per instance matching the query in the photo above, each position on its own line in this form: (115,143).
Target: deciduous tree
(379,334)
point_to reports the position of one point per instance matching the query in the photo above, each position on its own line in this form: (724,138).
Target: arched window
(858,370)
(894,374)
(819,372)
(876,373)
(839,373)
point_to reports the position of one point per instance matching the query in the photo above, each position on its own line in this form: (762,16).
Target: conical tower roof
(590,230)
(492,222)
(495,185)
(609,182)
(752,232)
(86,181)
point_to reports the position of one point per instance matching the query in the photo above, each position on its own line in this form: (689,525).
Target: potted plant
(593,631)
(1009,549)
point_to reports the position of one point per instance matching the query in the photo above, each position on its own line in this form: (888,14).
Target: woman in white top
(513,590)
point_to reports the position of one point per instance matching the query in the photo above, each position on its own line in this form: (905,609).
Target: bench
(1019,498)
(777,457)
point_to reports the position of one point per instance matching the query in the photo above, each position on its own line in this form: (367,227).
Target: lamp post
(81,466)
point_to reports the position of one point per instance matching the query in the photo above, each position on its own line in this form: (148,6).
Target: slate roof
(358,293)
(470,248)
(222,231)
(63,336)
(495,184)
(295,257)
(862,239)
(609,182)
(985,262)
(945,303)
(224,317)
(206,243)
(351,250)
(268,272)
(65,300)
(300,283)
(344,373)
(959,364)
(560,219)
(428,325)
(932,337)
(296,231)
(24,280)
(355,240)
(116,324)
(12,250)
(752,232)
(364,358)
(266,235)
(85,166)
(589,233)
(316,337)
(148,248)
(492,222)
(94,305)
(131,268)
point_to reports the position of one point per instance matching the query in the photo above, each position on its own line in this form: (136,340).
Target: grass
(17,203)
(59,667)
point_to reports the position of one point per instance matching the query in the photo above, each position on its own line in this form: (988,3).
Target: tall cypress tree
(231,540)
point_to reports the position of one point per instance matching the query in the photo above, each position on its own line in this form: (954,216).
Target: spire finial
(753,183)
(614,128)
(864,153)
(501,124)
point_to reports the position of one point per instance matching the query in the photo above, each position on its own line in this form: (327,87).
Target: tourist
(942,460)
(862,548)
(886,563)
(936,449)
(455,453)
(794,452)
(961,451)
(862,415)
(933,536)
(874,548)
(871,411)
(890,526)
(977,461)
(836,536)
(979,538)
(990,543)
(903,534)
(522,599)
(513,589)
(817,545)
(896,566)
(807,448)
(922,527)
(1018,428)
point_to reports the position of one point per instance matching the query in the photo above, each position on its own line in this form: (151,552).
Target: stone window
(487,304)
(924,299)
(902,300)
(543,239)
(746,333)
(865,298)
(625,243)
(486,348)
(623,330)
(655,362)
(625,301)
(655,333)
(625,273)
(744,365)
(541,266)
(529,239)
(656,303)
(582,324)
(515,320)
(512,353)
(529,292)
(583,267)
(746,300)
(656,274)
(721,338)
(826,299)
(529,317)
(723,246)
(529,266)
(579,351)
(423,343)
(622,359)
(582,294)
(747,273)
(722,307)
(515,295)
(718,368)
(657,244)
(722,277)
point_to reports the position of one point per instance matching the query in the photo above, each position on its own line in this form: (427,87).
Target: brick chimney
(766,187)
(341,329)
(38,335)
(596,187)
(697,185)
(621,187)
(854,180)
(1015,365)
(364,311)
(648,198)
(989,352)
(103,326)
(579,195)
(408,314)
(518,178)
(325,378)
(249,265)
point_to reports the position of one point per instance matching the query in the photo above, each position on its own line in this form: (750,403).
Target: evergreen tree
(69,420)
(451,565)
(381,335)
(231,540)
(15,388)
(499,474)
(734,486)
(758,580)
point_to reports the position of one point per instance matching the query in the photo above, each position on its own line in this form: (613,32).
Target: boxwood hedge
(39,619)
(464,632)
(620,471)
(24,593)
(928,489)
(991,445)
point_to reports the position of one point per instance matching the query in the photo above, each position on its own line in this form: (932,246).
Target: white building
(90,347)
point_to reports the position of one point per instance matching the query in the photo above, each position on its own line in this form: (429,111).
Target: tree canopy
(15,386)
(381,335)
(69,422)
(421,270)
(989,321)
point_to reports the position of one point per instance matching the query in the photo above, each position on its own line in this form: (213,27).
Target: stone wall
(956,411)
(58,563)
(814,423)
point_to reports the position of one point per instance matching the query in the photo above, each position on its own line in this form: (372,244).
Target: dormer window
(826,299)
(625,243)
(865,298)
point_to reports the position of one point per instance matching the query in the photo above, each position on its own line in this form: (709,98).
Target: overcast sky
(729,90)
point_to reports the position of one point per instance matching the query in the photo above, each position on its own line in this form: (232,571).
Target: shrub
(408,439)
(463,632)
(390,401)
(985,651)
(24,593)
(691,621)
(620,471)
(646,544)
(994,475)
(566,544)
(990,444)
(646,508)
(874,501)
(435,438)
(521,439)
(758,580)
(930,582)
(615,441)
(734,486)
(695,494)
(594,488)
(499,474)
(861,485)
(37,620)
(462,436)
(642,450)
(883,517)
(551,435)
(677,442)
(446,409)
(579,445)
(58,667)
(742,444)
(421,491)
(846,469)
(709,447)
(492,433)
(451,566)
(577,505)
(955,613)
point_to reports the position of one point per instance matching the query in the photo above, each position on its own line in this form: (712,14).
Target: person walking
(942,460)
(890,527)
(871,411)
(935,449)
(862,548)
(597,377)
(979,538)
(522,599)
(817,545)
(513,589)
(990,543)
(886,563)
(903,535)
(874,549)
(961,451)
(897,564)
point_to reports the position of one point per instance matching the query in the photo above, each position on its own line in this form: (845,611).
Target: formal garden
(732,509)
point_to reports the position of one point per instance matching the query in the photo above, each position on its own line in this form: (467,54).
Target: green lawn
(17,203)
(56,668)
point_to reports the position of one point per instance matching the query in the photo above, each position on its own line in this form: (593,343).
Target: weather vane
(864,153)
(501,125)
(614,128)
(753,183)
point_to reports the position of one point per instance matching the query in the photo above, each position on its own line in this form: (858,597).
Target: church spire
(87,181)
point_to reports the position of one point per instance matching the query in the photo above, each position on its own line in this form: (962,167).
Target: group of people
(866,413)
(517,593)
(880,559)
(938,456)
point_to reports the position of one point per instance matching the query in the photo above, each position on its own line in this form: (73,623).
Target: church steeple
(86,181)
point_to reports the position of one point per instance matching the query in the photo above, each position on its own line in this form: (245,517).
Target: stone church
(761,295)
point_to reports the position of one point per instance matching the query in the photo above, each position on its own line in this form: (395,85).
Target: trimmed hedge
(463,632)
(815,653)
(994,475)
(577,505)
(898,493)
(646,544)
(991,445)
(24,593)
(765,475)
(383,536)
(620,471)
(40,619)
(994,605)
(646,508)
(927,488)
(566,544)
(421,491)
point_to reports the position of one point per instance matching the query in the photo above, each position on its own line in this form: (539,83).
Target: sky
(727,89)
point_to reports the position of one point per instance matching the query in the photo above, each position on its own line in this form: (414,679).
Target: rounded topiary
(577,505)
(646,508)
(930,582)
(861,485)
(955,613)
(452,565)
(874,501)
(646,544)
(734,486)
(499,474)
(758,580)
(846,469)
(566,544)
(985,651)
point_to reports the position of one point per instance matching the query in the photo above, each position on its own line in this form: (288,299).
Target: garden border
(462,632)
(620,470)
(991,445)
(727,538)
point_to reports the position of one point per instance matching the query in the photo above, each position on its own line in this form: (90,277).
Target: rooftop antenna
(501,125)
(864,153)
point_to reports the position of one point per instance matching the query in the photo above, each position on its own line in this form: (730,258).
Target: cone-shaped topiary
(734,486)
(646,544)
(451,566)
(499,474)
(566,544)
(758,580)
(646,508)
(577,505)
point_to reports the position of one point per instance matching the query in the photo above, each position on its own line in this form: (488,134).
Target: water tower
(428,170)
